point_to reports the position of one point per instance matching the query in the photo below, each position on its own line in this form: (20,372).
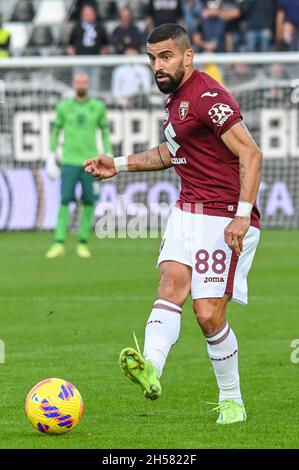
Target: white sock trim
(221,335)
(167,304)
(161,333)
(224,358)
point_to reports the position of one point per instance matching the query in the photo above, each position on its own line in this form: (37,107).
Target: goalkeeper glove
(52,169)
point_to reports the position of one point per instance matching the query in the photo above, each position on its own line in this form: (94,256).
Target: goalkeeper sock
(62,223)
(161,332)
(223,352)
(85,223)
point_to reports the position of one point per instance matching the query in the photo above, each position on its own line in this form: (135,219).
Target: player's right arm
(57,127)
(103,167)
(52,168)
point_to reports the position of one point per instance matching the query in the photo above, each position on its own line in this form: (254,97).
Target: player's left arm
(238,139)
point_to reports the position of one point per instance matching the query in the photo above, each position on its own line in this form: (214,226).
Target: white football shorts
(197,240)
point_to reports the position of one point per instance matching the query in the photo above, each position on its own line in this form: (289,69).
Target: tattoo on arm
(154,159)
(162,161)
(242,172)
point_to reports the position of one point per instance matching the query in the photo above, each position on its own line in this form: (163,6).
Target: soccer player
(79,117)
(212,232)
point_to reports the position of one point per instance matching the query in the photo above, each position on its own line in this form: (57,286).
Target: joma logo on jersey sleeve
(219,113)
(209,93)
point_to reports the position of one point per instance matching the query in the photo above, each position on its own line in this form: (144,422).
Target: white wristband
(244,209)
(121,164)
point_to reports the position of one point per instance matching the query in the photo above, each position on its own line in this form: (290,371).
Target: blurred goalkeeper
(79,118)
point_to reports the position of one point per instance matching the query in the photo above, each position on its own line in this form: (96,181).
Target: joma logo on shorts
(213,279)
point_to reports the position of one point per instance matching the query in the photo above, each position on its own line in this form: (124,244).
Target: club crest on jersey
(183,110)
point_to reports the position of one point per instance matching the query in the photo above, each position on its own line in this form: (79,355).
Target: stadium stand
(24,12)
(221,25)
(50,12)
(265,84)
(19,33)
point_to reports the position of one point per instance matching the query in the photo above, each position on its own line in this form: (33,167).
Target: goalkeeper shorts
(71,175)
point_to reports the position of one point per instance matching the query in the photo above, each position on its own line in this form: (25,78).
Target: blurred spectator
(219,29)
(41,36)
(163,11)
(130,80)
(191,15)
(197,41)
(259,18)
(287,25)
(212,27)
(23,12)
(241,73)
(273,93)
(231,12)
(89,36)
(127,34)
(4,41)
(75,10)
(278,72)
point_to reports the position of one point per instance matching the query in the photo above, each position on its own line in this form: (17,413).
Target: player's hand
(52,169)
(101,167)
(235,232)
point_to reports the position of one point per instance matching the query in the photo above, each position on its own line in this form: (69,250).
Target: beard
(81,93)
(173,83)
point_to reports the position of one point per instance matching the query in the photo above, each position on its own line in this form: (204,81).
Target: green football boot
(56,250)
(140,371)
(83,250)
(230,412)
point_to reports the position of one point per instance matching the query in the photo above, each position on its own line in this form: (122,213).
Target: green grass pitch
(70,317)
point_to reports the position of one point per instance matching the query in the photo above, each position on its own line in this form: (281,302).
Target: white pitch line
(133,298)
(121,298)
(272,298)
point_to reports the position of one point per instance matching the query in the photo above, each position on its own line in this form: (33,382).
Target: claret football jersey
(196,116)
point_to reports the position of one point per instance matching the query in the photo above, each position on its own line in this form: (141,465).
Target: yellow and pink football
(54,406)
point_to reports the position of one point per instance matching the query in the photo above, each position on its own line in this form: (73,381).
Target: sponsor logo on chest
(183,109)
(178,161)
(173,146)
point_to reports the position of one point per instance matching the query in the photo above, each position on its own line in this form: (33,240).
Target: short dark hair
(170,31)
